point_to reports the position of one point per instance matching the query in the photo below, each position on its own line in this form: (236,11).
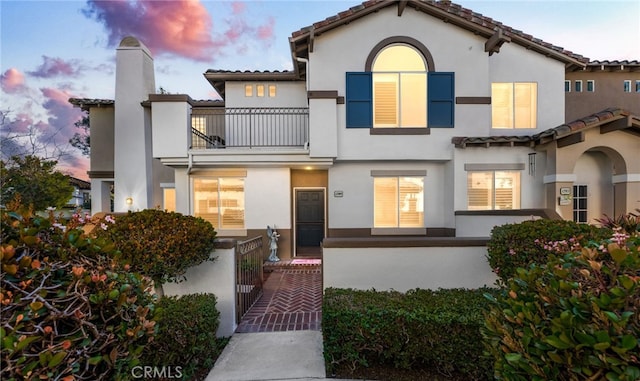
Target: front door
(309,221)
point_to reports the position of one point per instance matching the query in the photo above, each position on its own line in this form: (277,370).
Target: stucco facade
(281,149)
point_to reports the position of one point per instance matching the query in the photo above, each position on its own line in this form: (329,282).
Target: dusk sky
(54,50)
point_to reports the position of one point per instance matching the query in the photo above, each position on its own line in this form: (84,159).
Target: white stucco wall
(532,194)
(171,134)
(288,94)
(355,208)
(514,63)
(481,226)
(267,198)
(594,169)
(217,277)
(132,148)
(406,268)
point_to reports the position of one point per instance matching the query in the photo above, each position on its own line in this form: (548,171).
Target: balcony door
(309,221)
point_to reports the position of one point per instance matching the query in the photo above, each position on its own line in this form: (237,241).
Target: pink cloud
(62,115)
(12,81)
(265,32)
(53,66)
(238,7)
(182,28)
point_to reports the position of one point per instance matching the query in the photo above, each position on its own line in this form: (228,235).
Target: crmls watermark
(155,372)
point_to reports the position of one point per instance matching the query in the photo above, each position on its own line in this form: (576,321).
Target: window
(490,190)
(199,124)
(398,202)
(626,86)
(514,105)
(260,90)
(637,86)
(248,90)
(272,90)
(219,201)
(591,86)
(567,86)
(169,199)
(578,86)
(580,203)
(399,92)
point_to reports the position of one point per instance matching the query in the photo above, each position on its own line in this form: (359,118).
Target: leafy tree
(82,140)
(35,181)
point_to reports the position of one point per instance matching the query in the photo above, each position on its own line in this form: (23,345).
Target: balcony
(219,128)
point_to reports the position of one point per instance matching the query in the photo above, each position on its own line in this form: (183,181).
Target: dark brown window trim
(400,40)
(101,174)
(473,100)
(322,94)
(544,213)
(400,131)
(403,242)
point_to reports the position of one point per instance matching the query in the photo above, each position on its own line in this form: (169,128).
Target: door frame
(294,232)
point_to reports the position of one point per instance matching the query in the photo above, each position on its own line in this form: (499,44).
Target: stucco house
(400,121)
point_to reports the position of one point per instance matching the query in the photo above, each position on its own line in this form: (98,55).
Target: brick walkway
(292,301)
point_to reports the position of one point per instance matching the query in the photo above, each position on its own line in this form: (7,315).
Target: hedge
(422,329)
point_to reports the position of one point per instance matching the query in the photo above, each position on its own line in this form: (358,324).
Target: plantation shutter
(440,99)
(386,97)
(359,102)
(385,212)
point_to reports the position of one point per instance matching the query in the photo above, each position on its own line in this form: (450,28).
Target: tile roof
(85,103)
(450,12)
(217,78)
(624,65)
(566,129)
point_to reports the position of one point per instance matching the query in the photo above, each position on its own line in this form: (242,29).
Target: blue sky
(53,50)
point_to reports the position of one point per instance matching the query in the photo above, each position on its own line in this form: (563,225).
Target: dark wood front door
(309,221)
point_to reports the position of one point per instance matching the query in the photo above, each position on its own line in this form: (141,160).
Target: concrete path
(291,355)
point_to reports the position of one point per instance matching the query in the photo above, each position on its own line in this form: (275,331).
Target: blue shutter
(440,99)
(359,100)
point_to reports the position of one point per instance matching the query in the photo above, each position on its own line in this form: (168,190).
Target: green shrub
(422,329)
(518,245)
(160,244)
(69,310)
(186,335)
(576,317)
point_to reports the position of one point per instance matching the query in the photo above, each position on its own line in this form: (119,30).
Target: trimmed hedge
(574,318)
(422,329)
(186,335)
(160,244)
(518,245)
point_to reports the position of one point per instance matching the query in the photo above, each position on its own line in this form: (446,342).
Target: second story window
(248,90)
(272,90)
(567,86)
(260,90)
(514,105)
(578,86)
(637,86)
(626,86)
(400,89)
(591,86)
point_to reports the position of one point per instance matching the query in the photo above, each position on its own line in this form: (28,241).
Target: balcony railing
(250,127)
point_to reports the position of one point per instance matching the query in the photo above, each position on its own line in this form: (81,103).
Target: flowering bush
(159,244)
(518,245)
(576,317)
(69,310)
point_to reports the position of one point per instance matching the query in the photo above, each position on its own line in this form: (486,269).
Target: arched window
(399,87)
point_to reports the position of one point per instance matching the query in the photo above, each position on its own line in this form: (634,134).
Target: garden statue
(273,246)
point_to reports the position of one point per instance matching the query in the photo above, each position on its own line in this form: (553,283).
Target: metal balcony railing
(250,127)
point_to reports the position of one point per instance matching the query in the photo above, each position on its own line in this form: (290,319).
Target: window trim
(218,175)
(626,86)
(513,106)
(390,230)
(637,86)
(578,85)
(493,168)
(593,86)
(567,86)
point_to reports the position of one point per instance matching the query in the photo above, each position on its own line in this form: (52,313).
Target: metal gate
(249,258)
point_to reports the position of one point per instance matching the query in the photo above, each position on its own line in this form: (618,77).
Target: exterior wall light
(129,201)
